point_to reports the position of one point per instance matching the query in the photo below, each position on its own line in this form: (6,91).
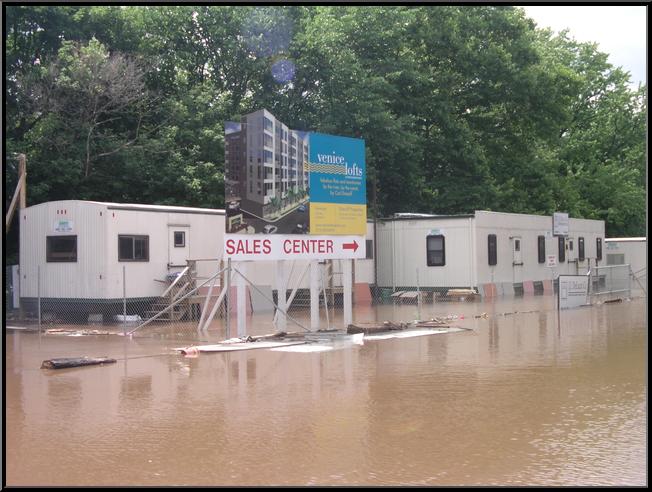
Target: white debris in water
(411,333)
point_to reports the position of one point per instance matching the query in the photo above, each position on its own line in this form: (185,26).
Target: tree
(84,90)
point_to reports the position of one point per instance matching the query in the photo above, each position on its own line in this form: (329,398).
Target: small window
(580,248)
(615,259)
(562,249)
(541,240)
(598,248)
(435,250)
(61,248)
(179,239)
(517,245)
(133,248)
(370,249)
(492,249)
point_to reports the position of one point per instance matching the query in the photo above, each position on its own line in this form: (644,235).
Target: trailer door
(178,248)
(517,259)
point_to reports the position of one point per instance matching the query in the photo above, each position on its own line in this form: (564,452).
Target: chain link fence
(201,299)
(614,282)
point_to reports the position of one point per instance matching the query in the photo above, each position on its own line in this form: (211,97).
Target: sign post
(281,289)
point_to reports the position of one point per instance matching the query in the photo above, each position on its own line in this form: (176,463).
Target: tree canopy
(461,107)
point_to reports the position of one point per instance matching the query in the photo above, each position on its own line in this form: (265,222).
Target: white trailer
(469,251)
(74,253)
(628,251)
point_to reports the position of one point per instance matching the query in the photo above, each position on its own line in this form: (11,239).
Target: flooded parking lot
(527,396)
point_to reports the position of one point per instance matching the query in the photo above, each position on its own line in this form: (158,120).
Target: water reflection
(527,398)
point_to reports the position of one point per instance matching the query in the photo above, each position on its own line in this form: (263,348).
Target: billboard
(573,291)
(285,182)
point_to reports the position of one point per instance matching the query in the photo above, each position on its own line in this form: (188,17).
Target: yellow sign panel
(338,218)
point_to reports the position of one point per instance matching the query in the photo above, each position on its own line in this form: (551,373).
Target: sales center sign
(313,207)
(295,247)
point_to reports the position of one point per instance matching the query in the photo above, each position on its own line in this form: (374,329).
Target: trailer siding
(83,279)
(508,226)
(402,250)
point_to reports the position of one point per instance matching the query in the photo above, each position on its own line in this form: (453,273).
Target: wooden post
(22,175)
(124,299)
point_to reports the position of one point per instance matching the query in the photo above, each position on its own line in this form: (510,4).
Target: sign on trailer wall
(291,194)
(560,223)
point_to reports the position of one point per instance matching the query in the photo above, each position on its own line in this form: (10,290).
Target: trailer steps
(171,306)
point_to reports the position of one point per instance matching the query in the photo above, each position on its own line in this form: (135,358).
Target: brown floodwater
(526,397)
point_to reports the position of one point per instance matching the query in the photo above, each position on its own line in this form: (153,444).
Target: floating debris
(77,333)
(66,362)
(375,327)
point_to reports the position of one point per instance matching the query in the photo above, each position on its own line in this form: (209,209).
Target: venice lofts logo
(335,164)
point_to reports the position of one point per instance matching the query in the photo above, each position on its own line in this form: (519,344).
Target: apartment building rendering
(266,167)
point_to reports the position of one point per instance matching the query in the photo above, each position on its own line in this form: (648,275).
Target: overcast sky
(621,32)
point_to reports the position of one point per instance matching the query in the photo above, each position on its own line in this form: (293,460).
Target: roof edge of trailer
(626,239)
(408,216)
(144,207)
(532,215)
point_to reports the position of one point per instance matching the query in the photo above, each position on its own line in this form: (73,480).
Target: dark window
(435,250)
(370,249)
(542,249)
(562,249)
(133,248)
(598,248)
(517,245)
(570,244)
(61,248)
(492,249)
(268,124)
(179,239)
(580,248)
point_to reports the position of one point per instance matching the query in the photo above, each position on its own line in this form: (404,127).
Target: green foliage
(460,107)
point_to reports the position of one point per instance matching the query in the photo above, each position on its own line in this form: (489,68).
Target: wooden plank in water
(66,362)
(375,327)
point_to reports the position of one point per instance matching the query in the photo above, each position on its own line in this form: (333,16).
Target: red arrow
(353,246)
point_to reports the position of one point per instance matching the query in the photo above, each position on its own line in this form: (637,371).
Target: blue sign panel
(337,169)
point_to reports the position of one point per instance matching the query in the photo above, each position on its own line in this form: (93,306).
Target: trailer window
(562,249)
(598,248)
(179,239)
(580,248)
(492,249)
(435,250)
(133,248)
(370,249)
(61,248)
(542,248)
